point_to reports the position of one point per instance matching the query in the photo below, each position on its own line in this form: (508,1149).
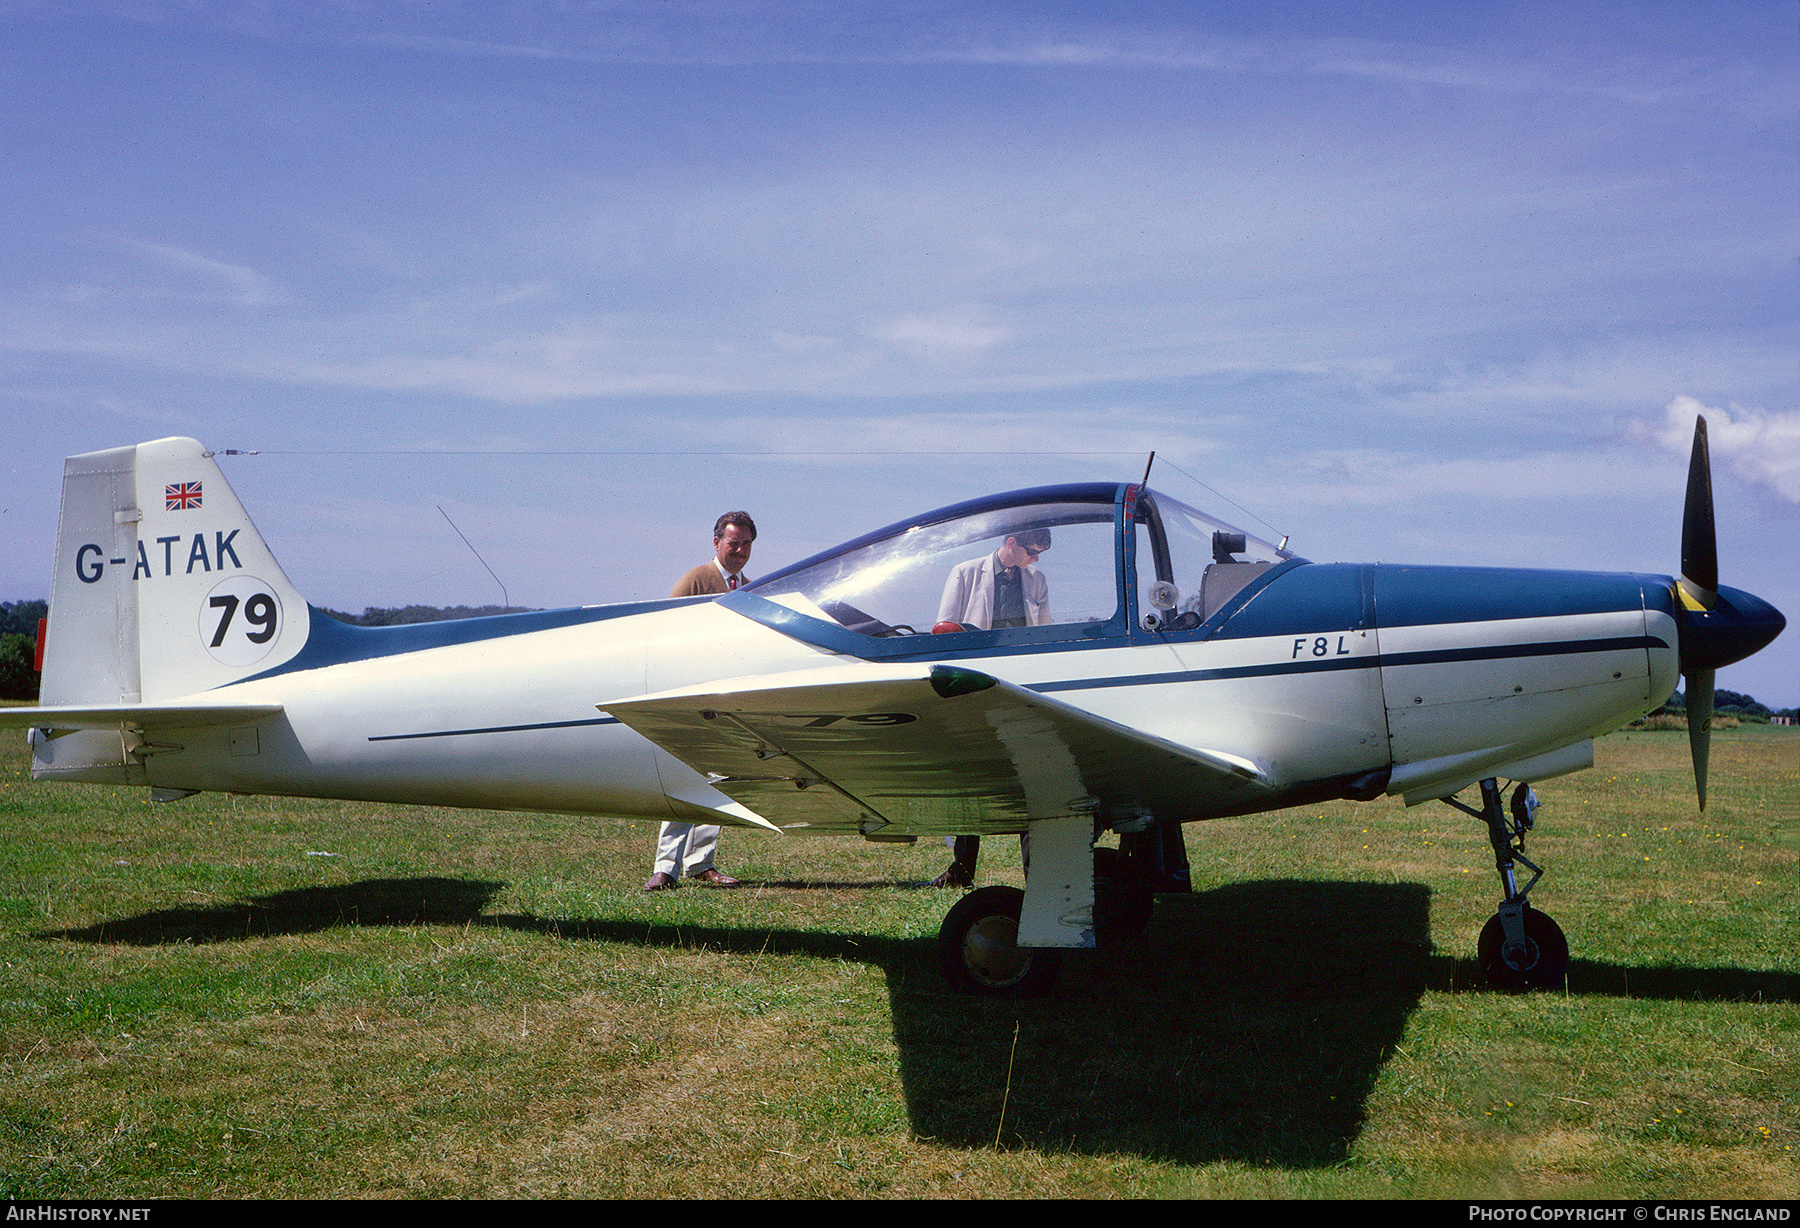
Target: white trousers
(685,848)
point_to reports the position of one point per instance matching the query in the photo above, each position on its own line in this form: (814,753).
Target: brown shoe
(660,882)
(955,876)
(712,878)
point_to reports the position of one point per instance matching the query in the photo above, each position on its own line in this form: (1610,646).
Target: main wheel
(979,951)
(1541,963)
(1122,903)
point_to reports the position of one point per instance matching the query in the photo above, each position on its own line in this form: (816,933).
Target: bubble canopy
(1085,561)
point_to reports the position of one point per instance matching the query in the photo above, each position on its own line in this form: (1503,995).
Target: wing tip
(950,681)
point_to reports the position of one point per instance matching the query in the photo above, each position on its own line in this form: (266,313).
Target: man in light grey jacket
(1002,589)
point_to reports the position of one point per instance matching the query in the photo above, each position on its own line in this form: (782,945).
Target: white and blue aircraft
(1181,670)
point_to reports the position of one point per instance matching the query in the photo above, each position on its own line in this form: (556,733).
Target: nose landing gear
(1519,948)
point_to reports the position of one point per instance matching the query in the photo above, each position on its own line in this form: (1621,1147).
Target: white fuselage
(517,722)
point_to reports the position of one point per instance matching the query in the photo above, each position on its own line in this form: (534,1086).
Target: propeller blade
(1699,719)
(1717,626)
(1699,540)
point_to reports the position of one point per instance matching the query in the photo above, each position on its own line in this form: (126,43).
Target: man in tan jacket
(732,538)
(685,850)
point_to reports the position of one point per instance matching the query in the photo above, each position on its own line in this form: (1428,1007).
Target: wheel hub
(991,951)
(1521,955)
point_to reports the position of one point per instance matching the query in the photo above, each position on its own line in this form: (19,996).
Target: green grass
(238,997)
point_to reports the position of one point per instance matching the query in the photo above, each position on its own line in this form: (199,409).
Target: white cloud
(1374,478)
(951,333)
(1077,433)
(1619,373)
(836,33)
(219,281)
(1759,446)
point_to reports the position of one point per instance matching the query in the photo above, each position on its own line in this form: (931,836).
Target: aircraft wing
(143,716)
(927,749)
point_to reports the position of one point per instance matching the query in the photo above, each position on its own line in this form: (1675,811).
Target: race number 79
(259,612)
(240,620)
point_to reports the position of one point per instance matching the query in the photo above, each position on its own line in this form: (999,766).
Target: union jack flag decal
(182,496)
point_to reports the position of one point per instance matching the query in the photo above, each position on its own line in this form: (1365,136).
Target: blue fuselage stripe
(1203,675)
(458,733)
(1501,652)
(1492,652)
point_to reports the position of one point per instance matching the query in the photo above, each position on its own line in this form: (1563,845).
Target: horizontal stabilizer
(140,716)
(927,749)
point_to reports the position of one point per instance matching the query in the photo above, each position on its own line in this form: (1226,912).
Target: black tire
(1541,965)
(1122,903)
(979,953)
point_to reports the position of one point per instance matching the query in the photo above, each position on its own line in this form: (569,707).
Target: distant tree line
(1726,703)
(399,616)
(19,624)
(18,647)
(21,617)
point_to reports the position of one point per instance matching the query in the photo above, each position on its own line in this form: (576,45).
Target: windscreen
(1060,556)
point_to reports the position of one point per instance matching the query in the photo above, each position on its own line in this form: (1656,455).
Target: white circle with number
(240,620)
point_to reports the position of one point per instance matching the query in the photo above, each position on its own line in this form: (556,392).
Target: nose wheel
(1538,959)
(1519,948)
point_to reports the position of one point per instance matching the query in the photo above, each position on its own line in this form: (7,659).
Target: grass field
(256,997)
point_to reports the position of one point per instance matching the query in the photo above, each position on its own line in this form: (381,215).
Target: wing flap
(702,805)
(926,749)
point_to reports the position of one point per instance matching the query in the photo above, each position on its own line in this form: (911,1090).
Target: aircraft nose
(1739,624)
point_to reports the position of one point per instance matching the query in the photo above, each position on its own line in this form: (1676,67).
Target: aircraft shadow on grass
(1248,1024)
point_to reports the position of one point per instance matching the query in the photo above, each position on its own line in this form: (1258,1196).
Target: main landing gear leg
(1005,943)
(1520,947)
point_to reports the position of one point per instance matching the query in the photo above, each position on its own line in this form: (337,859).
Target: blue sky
(1410,283)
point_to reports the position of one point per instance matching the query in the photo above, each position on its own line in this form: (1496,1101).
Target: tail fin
(163,587)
